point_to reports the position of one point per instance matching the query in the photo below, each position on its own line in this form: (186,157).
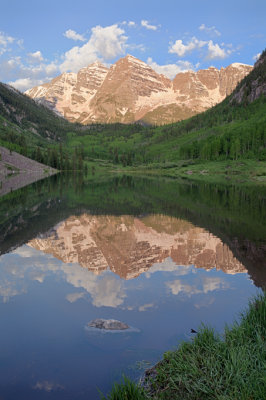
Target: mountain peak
(131,59)
(131,89)
(240,65)
(95,65)
(254,85)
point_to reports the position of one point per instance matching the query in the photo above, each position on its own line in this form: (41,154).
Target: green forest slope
(232,130)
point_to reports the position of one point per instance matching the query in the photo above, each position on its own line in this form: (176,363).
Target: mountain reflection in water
(70,249)
(130,245)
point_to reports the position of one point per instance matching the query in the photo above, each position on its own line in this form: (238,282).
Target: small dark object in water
(193,331)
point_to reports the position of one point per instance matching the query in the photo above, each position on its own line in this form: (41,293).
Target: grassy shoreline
(247,172)
(211,366)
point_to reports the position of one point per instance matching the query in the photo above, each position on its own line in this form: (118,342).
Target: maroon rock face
(130,246)
(131,90)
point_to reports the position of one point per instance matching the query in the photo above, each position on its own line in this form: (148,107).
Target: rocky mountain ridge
(130,246)
(252,87)
(130,90)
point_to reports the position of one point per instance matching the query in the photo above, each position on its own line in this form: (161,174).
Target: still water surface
(160,256)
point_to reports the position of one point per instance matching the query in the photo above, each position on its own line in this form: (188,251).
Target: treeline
(246,141)
(110,130)
(124,158)
(221,115)
(227,131)
(60,158)
(55,155)
(27,114)
(258,76)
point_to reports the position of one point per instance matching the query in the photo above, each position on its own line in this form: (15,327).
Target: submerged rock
(108,324)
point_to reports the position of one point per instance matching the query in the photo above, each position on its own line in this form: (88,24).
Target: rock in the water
(109,324)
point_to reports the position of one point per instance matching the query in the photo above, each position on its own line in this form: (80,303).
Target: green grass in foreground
(227,367)
(126,391)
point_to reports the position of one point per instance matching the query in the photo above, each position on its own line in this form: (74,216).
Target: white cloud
(35,57)
(209,30)
(10,69)
(182,49)
(37,276)
(51,69)
(23,73)
(14,62)
(146,25)
(204,302)
(213,49)
(70,34)
(130,24)
(77,58)
(144,307)
(207,285)
(108,42)
(23,84)
(105,44)
(177,287)
(256,57)
(25,251)
(8,290)
(108,292)
(134,47)
(168,265)
(211,284)
(5,40)
(48,386)
(170,70)
(23,76)
(72,297)
(20,43)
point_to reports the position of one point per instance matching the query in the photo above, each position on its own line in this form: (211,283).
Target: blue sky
(41,39)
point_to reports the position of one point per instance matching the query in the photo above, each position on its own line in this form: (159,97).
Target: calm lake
(159,255)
